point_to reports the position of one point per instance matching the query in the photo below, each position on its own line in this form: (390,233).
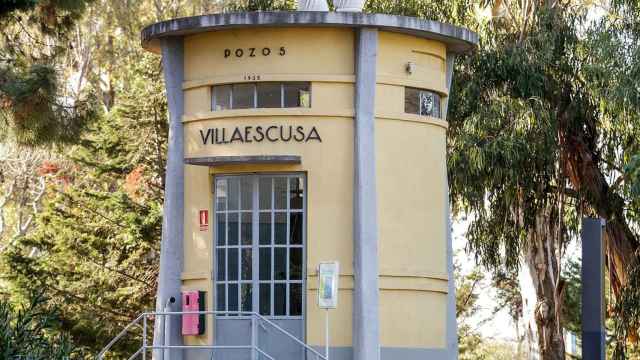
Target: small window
(297,95)
(269,95)
(243,96)
(421,102)
(221,97)
(261,95)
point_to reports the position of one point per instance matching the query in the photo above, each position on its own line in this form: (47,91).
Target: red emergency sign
(204,220)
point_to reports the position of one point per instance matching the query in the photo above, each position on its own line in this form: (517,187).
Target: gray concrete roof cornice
(457,39)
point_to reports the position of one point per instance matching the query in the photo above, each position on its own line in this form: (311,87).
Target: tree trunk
(578,134)
(544,315)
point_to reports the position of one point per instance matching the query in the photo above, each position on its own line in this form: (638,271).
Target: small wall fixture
(410,68)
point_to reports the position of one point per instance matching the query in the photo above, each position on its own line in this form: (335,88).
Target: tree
(537,131)
(543,122)
(29,332)
(36,107)
(94,247)
(472,346)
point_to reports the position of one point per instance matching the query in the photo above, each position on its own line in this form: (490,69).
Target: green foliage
(95,256)
(533,91)
(29,332)
(467,292)
(572,310)
(627,324)
(30,112)
(458,12)
(94,250)
(36,108)
(50,17)
(260,5)
(508,294)
(627,306)
(9,6)
(503,127)
(471,344)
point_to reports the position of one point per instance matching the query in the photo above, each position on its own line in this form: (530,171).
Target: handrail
(290,335)
(240,313)
(119,336)
(135,355)
(146,347)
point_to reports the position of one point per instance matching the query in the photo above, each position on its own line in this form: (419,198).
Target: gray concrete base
(335,353)
(393,353)
(389,353)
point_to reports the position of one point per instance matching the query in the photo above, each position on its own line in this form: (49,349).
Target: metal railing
(256,319)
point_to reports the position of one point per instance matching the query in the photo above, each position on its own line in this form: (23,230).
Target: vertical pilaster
(593,335)
(366,338)
(452,324)
(171,252)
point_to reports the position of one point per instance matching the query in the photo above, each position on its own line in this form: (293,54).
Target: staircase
(252,349)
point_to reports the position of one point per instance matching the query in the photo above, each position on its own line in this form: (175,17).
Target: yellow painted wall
(330,178)
(396,50)
(410,153)
(411,174)
(327,51)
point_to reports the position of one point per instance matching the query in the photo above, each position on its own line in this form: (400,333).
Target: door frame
(255,246)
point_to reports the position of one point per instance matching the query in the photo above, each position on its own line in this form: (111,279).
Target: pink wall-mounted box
(193,324)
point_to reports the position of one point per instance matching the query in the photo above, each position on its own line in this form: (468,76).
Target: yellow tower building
(298,138)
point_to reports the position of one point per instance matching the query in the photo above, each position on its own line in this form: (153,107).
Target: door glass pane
(246,264)
(246,229)
(280,264)
(295,228)
(243,95)
(280,299)
(295,264)
(295,299)
(221,298)
(246,297)
(221,228)
(265,299)
(221,270)
(280,233)
(233,229)
(280,192)
(233,193)
(233,297)
(246,193)
(265,228)
(296,193)
(221,195)
(221,97)
(265,193)
(269,95)
(232,269)
(265,263)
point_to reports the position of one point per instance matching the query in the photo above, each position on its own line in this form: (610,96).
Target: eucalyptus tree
(544,119)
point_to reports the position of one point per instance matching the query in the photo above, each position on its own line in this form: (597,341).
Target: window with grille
(259,244)
(261,95)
